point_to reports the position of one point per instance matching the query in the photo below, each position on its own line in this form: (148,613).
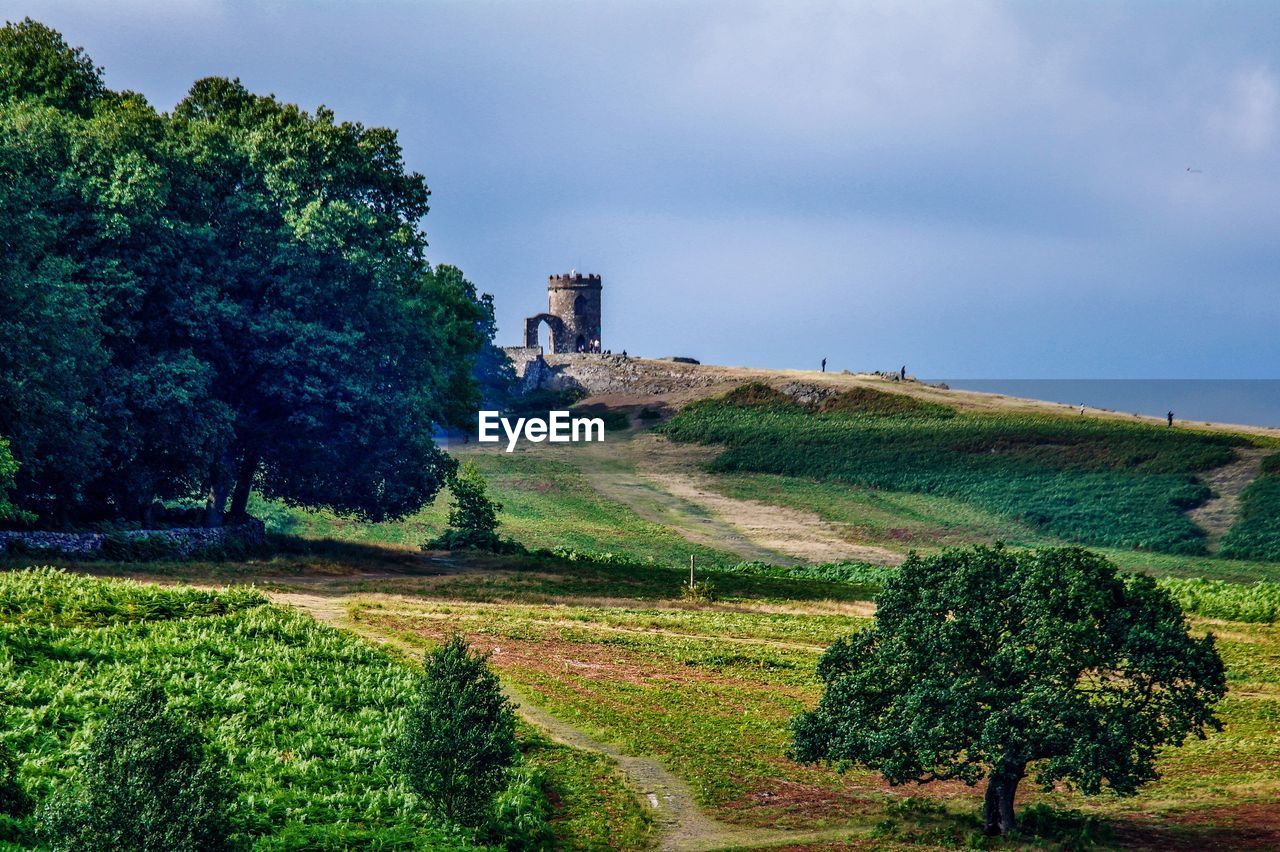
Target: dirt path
(652,477)
(1218,513)
(682,825)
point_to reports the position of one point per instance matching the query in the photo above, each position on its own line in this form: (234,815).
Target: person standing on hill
(1170,416)
(824,365)
(903,373)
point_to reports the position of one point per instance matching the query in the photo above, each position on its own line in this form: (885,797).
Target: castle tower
(575,300)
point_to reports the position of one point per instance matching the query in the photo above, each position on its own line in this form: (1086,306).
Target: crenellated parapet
(573,314)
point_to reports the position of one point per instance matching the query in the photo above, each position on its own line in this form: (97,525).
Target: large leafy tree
(994,663)
(232,296)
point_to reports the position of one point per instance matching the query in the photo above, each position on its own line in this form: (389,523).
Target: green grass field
(304,712)
(708,692)
(1257,533)
(547,503)
(1100,482)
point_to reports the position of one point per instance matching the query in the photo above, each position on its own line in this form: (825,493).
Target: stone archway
(554,323)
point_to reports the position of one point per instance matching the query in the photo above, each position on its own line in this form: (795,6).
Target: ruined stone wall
(178,542)
(614,374)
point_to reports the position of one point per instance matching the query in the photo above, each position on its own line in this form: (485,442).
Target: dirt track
(682,826)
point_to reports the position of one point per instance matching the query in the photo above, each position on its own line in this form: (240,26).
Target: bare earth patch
(1218,513)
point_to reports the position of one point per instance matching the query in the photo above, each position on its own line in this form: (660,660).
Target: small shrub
(459,740)
(700,591)
(648,413)
(1073,830)
(473,520)
(758,395)
(870,401)
(614,420)
(1258,603)
(521,814)
(149,781)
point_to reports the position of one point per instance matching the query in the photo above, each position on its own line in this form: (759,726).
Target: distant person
(903,373)
(824,365)
(1170,416)
(1082,409)
(624,355)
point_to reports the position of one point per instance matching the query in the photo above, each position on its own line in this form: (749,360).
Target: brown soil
(1238,827)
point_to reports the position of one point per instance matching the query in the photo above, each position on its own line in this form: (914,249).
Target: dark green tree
(334,345)
(230,297)
(149,782)
(459,739)
(992,663)
(473,518)
(36,64)
(8,467)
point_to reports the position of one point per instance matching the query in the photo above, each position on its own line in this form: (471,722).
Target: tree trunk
(218,488)
(997,806)
(244,484)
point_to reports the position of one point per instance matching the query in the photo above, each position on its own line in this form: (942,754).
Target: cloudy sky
(974,189)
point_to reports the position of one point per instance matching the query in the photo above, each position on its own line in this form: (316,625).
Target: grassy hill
(796,505)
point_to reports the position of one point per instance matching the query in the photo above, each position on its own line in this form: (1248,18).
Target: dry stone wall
(177,542)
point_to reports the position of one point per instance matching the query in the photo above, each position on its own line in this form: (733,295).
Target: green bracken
(1087,480)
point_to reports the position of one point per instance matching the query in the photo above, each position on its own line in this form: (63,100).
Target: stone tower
(573,314)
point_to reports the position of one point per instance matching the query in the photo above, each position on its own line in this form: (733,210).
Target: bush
(614,420)
(459,739)
(9,513)
(701,591)
(521,814)
(148,782)
(473,520)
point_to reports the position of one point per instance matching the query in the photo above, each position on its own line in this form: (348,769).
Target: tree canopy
(990,663)
(232,296)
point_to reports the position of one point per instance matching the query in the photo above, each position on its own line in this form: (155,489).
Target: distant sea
(1253,402)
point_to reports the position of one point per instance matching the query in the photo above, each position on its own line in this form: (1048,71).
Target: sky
(972,189)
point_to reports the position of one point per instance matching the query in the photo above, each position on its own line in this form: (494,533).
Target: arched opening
(534,335)
(579,305)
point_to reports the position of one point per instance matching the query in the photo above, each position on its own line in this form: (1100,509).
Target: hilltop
(618,381)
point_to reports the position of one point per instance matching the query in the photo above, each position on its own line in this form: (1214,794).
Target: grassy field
(304,712)
(1257,533)
(1101,482)
(547,503)
(708,692)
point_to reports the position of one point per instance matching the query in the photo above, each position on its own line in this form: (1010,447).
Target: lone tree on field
(992,663)
(149,782)
(473,520)
(460,738)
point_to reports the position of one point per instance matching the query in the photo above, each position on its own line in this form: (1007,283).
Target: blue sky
(973,189)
